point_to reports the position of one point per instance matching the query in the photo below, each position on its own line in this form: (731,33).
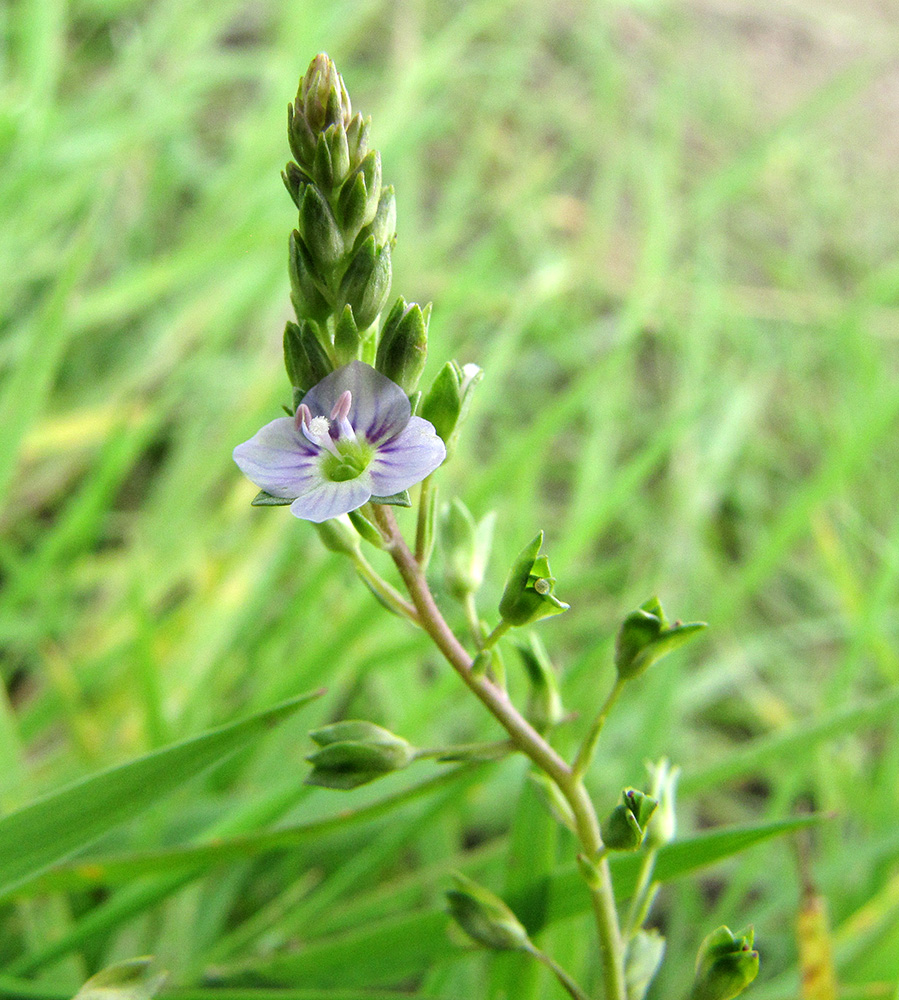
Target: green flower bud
(641,962)
(347,338)
(319,229)
(294,181)
(322,98)
(726,964)
(338,147)
(529,596)
(403,347)
(663,825)
(306,285)
(361,195)
(383,226)
(449,398)
(645,636)
(485,917)
(338,535)
(366,282)
(304,357)
(465,544)
(355,752)
(624,828)
(357,133)
(544,708)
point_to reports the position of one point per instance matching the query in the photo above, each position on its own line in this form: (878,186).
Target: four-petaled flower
(353,437)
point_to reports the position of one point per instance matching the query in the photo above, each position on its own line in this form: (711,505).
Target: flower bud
(641,962)
(645,636)
(663,825)
(726,964)
(366,282)
(443,401)
(624,828)
(305,283)
(304,357)
(544,708)
(465,544)
(347,338)
(528,595)
(485,917)
(403,347)
(355,752)
(318,229)
(322,98)
(338,535)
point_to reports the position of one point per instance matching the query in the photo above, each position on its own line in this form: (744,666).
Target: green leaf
(59,824)
(391,950)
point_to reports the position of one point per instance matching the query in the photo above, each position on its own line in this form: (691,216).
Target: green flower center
(352,460)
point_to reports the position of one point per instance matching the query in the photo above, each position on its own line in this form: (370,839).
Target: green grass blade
(61,823)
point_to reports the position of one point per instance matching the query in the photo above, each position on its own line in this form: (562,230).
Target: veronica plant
(357,438)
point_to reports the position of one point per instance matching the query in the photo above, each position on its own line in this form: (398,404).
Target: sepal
(263,499)
(528,595)
(645,636)
(395,500)
(663,824)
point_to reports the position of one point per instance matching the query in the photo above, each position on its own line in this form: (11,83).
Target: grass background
(666,230)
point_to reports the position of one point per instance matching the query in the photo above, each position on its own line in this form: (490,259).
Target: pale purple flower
(353,437)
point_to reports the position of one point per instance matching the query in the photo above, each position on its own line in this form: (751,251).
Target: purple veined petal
(380,408)
(406,459)
(328,499)
(279,460)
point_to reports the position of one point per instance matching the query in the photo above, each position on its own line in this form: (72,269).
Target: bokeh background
(667,232)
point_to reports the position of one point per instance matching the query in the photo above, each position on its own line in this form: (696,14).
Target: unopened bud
(355,752)
(485,917)
(366,282)
(403,347)
(625,827)
(544,708)
(663,824)
(726,964)
(465,544)
(642,960)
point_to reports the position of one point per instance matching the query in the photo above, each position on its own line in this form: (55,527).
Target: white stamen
(316,430)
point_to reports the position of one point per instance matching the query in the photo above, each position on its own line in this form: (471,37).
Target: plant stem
(523,737)
(588,747)
(496,635)
(642,898)
(568,984)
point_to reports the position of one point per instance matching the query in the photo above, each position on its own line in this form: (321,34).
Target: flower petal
(406,459)
(380,408)
(327,499)
(279,460)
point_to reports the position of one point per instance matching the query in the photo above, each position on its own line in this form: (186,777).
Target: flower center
(344,456)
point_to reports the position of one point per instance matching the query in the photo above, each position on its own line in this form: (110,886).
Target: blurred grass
(667,233)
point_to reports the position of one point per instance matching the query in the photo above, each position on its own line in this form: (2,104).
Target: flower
(353,437)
